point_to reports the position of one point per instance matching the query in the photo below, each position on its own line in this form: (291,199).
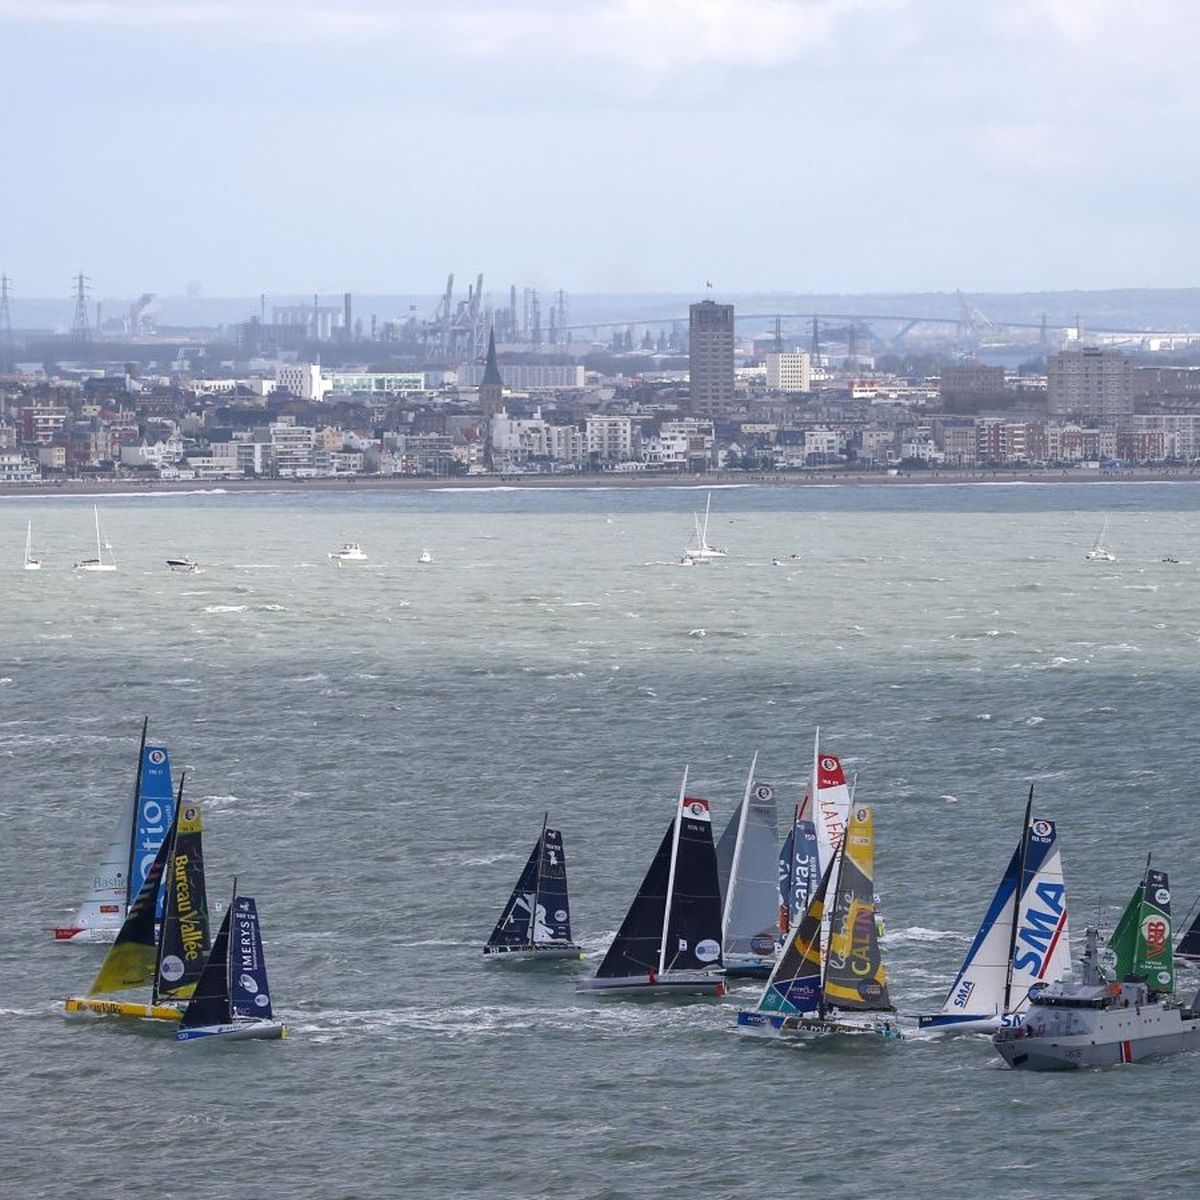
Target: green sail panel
(1141,942)
(855,977)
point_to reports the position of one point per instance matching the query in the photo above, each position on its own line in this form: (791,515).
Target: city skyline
(614,146)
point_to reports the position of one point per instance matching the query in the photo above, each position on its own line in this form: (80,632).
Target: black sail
(209,1004)
(1189,945)
(552,911)
(183,942)
(694,928)
(516,921)
(635,948)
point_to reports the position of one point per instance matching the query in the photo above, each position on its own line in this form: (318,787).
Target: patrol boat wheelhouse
(1101,1022)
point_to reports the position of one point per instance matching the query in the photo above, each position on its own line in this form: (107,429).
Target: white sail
(751,898)
(831,805)
(102,912)
(31,563)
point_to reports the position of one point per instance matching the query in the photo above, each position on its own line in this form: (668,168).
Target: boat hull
(747,966)
(76,935)
(238,1031)
(951,1023)
(121,1008)
(1029,1052)
(671,983)
(812,1028)
(531,953)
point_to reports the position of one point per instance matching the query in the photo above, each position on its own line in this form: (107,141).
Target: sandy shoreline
(133,487)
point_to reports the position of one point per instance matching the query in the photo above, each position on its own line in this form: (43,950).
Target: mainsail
(795,982)
(674,923)
(130,961)
(748,903)
(183,942)
(831,805)
(153,812)
(1141,942)
(1006,959)
(797,870)
(855,977)
(249,994)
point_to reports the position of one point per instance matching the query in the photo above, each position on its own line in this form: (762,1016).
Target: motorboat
(351,552)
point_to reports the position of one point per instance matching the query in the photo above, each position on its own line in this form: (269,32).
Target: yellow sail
(855,977)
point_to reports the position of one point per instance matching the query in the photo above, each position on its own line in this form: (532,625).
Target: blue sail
(154,811)
(249,995)
(797,872)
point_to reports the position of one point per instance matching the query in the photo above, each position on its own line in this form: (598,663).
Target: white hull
(69,935)
(95,566)
(34,565)
(672,983)
(814,1028)
(947,1024)
(238,1031)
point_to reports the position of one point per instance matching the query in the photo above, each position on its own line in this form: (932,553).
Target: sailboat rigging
(102,544)
(702,551)
(31,563)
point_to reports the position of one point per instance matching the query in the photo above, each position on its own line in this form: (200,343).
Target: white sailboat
(702,551)
(425,557)
(1100,552)
(98,563)
(31,563)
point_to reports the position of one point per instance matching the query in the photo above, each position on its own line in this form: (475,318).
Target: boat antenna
(137,791)
(1018,887)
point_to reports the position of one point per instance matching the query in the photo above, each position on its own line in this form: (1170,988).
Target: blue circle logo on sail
(157,757)
(248,983)
(171,968)
(708,950)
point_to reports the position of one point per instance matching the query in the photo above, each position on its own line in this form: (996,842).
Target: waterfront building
(612,438)
(789,372)
(711,359)
(1089,382)
(528,377)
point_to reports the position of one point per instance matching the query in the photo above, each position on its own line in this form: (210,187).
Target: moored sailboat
(31,563)
(140,832)
(1023,941)
(536,921)
(98,563)
(232,999)
(702,551)
(746,862)
(836,985)
(669,943)
(1100,551)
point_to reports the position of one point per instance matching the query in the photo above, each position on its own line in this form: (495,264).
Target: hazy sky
(599,145)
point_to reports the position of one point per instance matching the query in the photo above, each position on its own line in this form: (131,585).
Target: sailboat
(670,941)
(536,922)
(1188,948)
(1100,552)
(145,820)
(232,999)
(746,873)
(31,563)
(171,962)
(823,986)
(702,551)
(425,558)
(98,563)
(1022,943)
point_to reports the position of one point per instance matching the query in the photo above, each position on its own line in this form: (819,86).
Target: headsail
(634,951)
(131,959)
(183,942)
(795,982)
(725,848)
(748,909)
(855,977)
(210,1004)
(1141,942)
(1189,945)
(516,921)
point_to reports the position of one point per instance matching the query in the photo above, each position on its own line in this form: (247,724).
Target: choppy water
(375,746)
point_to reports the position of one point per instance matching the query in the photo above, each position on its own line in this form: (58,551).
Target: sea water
(374,747)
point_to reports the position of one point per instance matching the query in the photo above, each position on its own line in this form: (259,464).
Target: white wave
(224,608)
(919,933)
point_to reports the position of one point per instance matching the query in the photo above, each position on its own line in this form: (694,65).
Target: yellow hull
(122,1008)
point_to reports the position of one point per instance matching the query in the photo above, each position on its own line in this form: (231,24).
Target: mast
(823,949)
(707,506)
(96,514)
(537,879)
(662,944)
(737,851)
(168,872)
(1018,887)
(29,541)
(137,792)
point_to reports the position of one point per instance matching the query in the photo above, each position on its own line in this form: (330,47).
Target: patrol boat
(1122,1011)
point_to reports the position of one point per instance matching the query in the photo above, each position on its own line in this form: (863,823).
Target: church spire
(491,370)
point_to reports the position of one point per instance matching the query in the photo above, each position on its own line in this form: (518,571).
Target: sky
(231,147)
